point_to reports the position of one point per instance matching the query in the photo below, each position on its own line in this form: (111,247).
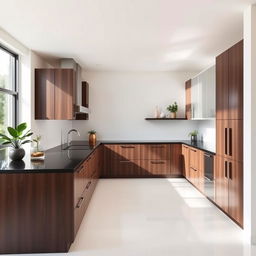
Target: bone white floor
(155,217)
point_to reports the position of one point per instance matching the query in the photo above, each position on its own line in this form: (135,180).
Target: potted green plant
(18,137)
(193,135)
(173,108)
(92,137)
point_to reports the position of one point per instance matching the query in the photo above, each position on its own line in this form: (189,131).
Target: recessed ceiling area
(127,35)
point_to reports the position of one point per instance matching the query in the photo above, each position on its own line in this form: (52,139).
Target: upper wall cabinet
(54,94)
(229,83)
(203,95)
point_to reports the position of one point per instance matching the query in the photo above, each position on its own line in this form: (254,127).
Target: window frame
(15,91)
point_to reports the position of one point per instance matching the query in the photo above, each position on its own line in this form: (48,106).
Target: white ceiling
(139,35)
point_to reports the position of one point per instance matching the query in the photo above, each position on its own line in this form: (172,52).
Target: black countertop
(59,160)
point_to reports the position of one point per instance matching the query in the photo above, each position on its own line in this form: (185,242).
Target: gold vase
(92,139)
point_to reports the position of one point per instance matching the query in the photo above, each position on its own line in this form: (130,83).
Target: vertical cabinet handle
(226,141)
(230,142)
(230,174)
(226,169)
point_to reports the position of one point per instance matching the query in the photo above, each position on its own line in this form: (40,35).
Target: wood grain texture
(235,91)
(221,183)
(36,213)
(235,191)
(229,139)
(44,94)
(222,138)
(185,161)
(188,99)
(176,159)
(222,86)
(123,151)
(64,94)
(155,151)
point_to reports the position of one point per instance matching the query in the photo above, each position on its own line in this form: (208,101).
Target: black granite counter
(59,160)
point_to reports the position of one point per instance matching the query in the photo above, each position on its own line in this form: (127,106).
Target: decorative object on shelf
(193,135)
(92,137)
(37,152)
(157,112)
(173,109)
(162,115)
(18,138)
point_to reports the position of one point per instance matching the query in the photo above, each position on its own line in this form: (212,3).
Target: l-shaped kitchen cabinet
(142,160)
(42,212)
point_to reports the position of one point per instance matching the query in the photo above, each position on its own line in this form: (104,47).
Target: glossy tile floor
(155,217)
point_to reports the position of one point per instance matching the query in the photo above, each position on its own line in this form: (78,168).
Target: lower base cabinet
(229,188)
(42,212)
(142,160)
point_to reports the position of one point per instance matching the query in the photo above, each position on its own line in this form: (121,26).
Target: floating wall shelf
(152,118)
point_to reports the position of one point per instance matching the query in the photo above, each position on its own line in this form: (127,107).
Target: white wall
(50,130)
(250,123)
(207,132)
(119,102)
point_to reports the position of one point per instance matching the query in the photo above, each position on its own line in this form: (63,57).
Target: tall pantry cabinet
(229,128)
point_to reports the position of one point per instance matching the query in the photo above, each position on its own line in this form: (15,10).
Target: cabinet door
(185,161)
(222,138)
(175,159)
(124,168)
(158,168)
(64,94)
(194,158)
(188,99)
(235,140)
(221,183)
(222,86)
(236,81)
(235,198)
(44,94)
(155,151)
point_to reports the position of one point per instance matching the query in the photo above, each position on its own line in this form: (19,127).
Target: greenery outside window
(8,88)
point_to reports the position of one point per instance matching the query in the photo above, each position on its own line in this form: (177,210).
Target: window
(8,89)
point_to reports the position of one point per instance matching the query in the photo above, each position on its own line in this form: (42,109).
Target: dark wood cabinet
(229,132)
(188,99)
(185,161)
(36,212)
(230,139)
(229,83)
(229,188)
(222,85)
(235,89)
(64,94)
(44,94)
(176,159)
(54,94)
(155,151)
(142,160)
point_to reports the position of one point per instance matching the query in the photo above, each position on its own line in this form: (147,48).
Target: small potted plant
(173,109)
(18,137)
(193,135)
(92,137)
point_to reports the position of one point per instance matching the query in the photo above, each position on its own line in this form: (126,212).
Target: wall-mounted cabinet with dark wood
(54,94)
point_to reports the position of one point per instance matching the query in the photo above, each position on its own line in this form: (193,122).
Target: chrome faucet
(69,132)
